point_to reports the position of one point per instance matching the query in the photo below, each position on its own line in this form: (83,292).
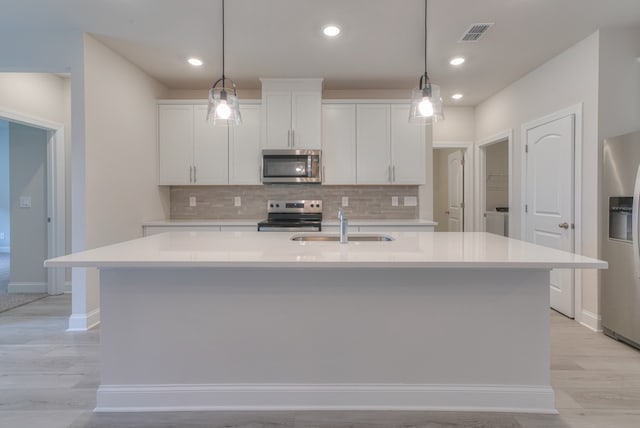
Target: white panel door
(407,148)
(339,143)
(276,120)
(550,199)
(306,120)
(244,147)
(373,140)
(175,143)
(455,208)
(210,150)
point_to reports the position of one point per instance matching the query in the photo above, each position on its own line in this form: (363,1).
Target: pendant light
(426,102)
(223,99)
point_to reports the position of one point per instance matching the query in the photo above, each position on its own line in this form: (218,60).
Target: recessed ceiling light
(456,61)
(456,96)
(195,62)
(331,30)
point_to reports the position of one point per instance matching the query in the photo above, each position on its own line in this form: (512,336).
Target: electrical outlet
(410,201)
(1,236)
(237,202)
(192,201)
(25,202)
(345,201)
(394,201)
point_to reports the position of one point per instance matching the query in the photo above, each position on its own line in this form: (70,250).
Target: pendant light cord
(223,43)
(425,36)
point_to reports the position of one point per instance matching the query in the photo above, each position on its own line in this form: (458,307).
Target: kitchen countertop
(276,250)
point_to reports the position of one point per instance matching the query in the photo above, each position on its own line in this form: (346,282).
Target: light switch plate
(192,201)
(237,201)
(345,201)
(410,201)
(25,202)
(1,236)
(394,201)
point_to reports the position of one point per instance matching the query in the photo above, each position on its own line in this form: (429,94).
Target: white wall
(619,82)
(47,97)
(122,186)
(459,125)
(568,79)
(5,228)
(120,160)
(28,178)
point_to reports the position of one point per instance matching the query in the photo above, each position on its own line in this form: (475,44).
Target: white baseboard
(5,249)
(490,398)
(27,287)
(591,321)
(84,322)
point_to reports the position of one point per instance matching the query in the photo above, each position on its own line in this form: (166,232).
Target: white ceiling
(381,46)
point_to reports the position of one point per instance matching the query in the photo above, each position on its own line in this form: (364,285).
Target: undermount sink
(336,238)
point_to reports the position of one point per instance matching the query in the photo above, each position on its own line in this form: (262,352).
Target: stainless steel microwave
(291,166)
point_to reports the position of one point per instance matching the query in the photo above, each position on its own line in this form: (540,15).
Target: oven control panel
(297,206)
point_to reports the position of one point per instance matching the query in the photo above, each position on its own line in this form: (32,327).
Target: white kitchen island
(249,320)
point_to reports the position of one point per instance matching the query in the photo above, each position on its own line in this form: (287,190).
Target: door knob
(564,225)
(447,212)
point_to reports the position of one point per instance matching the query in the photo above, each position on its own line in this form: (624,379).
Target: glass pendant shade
(426,102)
(426,105)
(224,108)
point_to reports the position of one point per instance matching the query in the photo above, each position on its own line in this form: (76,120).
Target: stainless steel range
(292,216)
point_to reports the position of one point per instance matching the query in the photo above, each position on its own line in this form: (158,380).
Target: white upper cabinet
(339,143)
(210,150)
(390,150)
(194,151)
(244,147)
(175,144)
(292,113)
(407,148)
(373,141)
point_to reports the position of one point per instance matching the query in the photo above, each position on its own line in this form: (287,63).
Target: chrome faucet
(344,226)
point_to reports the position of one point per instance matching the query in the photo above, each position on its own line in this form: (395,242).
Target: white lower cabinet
(154,230)
(381,228)
(194,151)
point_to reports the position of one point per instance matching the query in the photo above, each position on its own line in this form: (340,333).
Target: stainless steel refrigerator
(620,289)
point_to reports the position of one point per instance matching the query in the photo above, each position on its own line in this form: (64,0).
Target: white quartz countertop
(276,250)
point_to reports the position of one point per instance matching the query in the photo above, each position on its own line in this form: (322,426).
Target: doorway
(494,184)
(32,205)
(24,214)
(452,194)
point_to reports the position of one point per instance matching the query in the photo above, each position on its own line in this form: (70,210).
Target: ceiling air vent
(475,32)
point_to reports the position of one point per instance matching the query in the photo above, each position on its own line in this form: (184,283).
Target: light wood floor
(48,378)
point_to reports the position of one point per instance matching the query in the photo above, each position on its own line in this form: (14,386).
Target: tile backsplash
(217,202)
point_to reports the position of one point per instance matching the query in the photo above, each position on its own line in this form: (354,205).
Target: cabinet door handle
(289,138)
(195,177)
(190,174)
(293,138)
(389,173)
(394,173)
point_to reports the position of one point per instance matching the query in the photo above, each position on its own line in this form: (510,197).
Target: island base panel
(447,339)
